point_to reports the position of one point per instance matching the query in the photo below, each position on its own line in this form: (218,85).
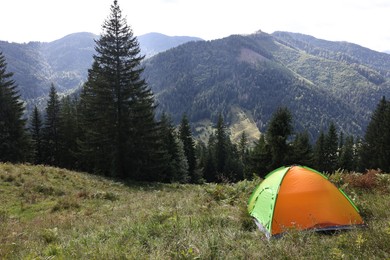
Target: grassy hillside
(58,214)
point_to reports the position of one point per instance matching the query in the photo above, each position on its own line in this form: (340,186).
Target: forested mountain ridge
(37,65)
(259,72)
(243,77)
(65,62)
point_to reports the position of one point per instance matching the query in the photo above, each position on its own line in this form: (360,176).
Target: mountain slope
(65,62)
(258,73)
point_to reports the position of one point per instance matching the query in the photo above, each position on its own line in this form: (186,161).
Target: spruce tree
(221,146)
(209,170)
(36,135)
(279,129)
(331,149)
(376,147)
(243,153)
(320,153)
(301,150)
(120,131)
(347,159)
(14,141)
(260,158)
(68,133)
(186,138)
(176,168)
(50,132)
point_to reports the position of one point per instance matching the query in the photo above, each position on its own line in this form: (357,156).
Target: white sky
(365,22)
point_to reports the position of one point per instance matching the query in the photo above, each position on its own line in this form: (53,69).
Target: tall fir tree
(243,153)
(14,141)
(209,170)
(320,153)
(331,149)
(301,150)
(347,158)
(278,131)
(186,138)
(260,158)
(50,131)
(36,126)
(68,133)
(376,147)
(176,168)
(221,146)
(120,129)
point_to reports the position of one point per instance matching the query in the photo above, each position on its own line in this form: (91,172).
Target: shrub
(367,181)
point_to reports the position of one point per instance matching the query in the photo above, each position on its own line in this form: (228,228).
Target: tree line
(111,129)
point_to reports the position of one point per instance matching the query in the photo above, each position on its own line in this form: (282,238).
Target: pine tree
(301,150)
(120,132)
(50,130)
(68,133)
(36,135)
(260,158)
(243,153)
(376,147)
(320,153)
(209,171)
(279,129)
(347,157)
(14,141)
(176,168)
(221,146)
(331,149)
(186,138)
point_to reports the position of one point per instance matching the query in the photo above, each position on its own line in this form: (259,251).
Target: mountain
(319,81)
(243,77)
(37,65)
(65,62)
(154,43)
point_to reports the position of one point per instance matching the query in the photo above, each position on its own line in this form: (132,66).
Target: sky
(364,22)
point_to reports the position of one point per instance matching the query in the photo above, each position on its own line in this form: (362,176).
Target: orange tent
(301,198)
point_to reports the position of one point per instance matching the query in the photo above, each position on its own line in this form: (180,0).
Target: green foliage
(376,147)
(120,135)
(36,135)
(186,138)
(50,132)
(278,131)
(14,142)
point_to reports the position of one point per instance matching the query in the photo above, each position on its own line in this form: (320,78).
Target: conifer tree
(176,168)
(278,131)
(36,135)
(14,142)
(260,158)
(120,131)
(243,153)
(301,150)
(221,146)
(347,157)
(376,148)
(50,132)
(68,133)
(331,149)
(186,138)
(210,171)
(320,153)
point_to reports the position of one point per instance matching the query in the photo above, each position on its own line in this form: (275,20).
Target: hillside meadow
(52,213)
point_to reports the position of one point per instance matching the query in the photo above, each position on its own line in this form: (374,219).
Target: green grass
(51,213)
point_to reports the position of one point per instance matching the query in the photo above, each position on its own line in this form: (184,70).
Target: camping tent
(300,198)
